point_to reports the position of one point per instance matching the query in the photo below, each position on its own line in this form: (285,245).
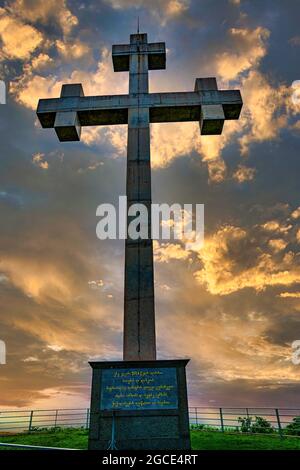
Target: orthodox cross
(67,114)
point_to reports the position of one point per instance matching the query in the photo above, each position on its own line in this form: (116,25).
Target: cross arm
(207,104)
(156,55)
(210,107)
(72,110)
(187,106)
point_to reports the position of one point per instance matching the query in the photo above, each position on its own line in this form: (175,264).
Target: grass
(70,438)
(214,440)
(201,440)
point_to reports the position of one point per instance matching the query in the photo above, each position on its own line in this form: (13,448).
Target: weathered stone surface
(67,126)
(212,119)
(139,311)
(71,89)
(156,53)
(163,107)
(206,84)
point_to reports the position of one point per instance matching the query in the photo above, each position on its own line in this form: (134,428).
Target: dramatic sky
(231,306)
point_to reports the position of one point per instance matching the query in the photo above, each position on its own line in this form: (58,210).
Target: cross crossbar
(113,109)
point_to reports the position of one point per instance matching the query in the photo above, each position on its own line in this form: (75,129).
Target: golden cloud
(230,347)
(247,48)
(276,226)
(290,295)
(72,50)
(262,103)
(41,62)
(296,213)
(163,10)
(165,252)
(278,244)
(19,39)
(234,258)
(49,282)
(44,11)
(243,173)
(39,160)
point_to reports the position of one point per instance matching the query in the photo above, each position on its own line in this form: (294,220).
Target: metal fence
(223,419)
(239,419)
(33,420)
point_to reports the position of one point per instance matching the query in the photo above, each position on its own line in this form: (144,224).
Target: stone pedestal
(139,405)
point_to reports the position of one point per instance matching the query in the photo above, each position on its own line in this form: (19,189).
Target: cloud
(30,359)
(26,275)
(165,252)
(264,110)
(72,50)
(276,226)
(259,121)
(278,244)
(44,12)
(296,213)
(234,258)
(163,10)
(38,159)
(244,173)
(41,62)
(295,41)
(262,118)
(230,348)
(172,140)
(246,48)
(290,295)
(30,87)
(19,39)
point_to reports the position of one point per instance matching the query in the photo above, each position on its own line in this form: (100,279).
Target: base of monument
(139,405)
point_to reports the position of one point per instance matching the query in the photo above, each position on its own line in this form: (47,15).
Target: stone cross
(67,114)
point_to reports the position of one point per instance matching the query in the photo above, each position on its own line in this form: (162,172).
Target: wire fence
(282,421)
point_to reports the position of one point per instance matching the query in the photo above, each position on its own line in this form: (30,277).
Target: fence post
(87,418)
(247,412)
(55,422)
(196,411)
(221,419)
(279,423)
(30,421)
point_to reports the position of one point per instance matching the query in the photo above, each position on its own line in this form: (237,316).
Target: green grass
(70,438)
(214,440)
(201,440)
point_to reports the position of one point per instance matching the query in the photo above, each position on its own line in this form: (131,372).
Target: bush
(294,427)
(245,423)
(197,427)
(259,425)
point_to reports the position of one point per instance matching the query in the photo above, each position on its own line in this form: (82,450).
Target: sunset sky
(232,306)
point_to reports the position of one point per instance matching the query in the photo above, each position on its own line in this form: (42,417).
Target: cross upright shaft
(206,104)
(139,310)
